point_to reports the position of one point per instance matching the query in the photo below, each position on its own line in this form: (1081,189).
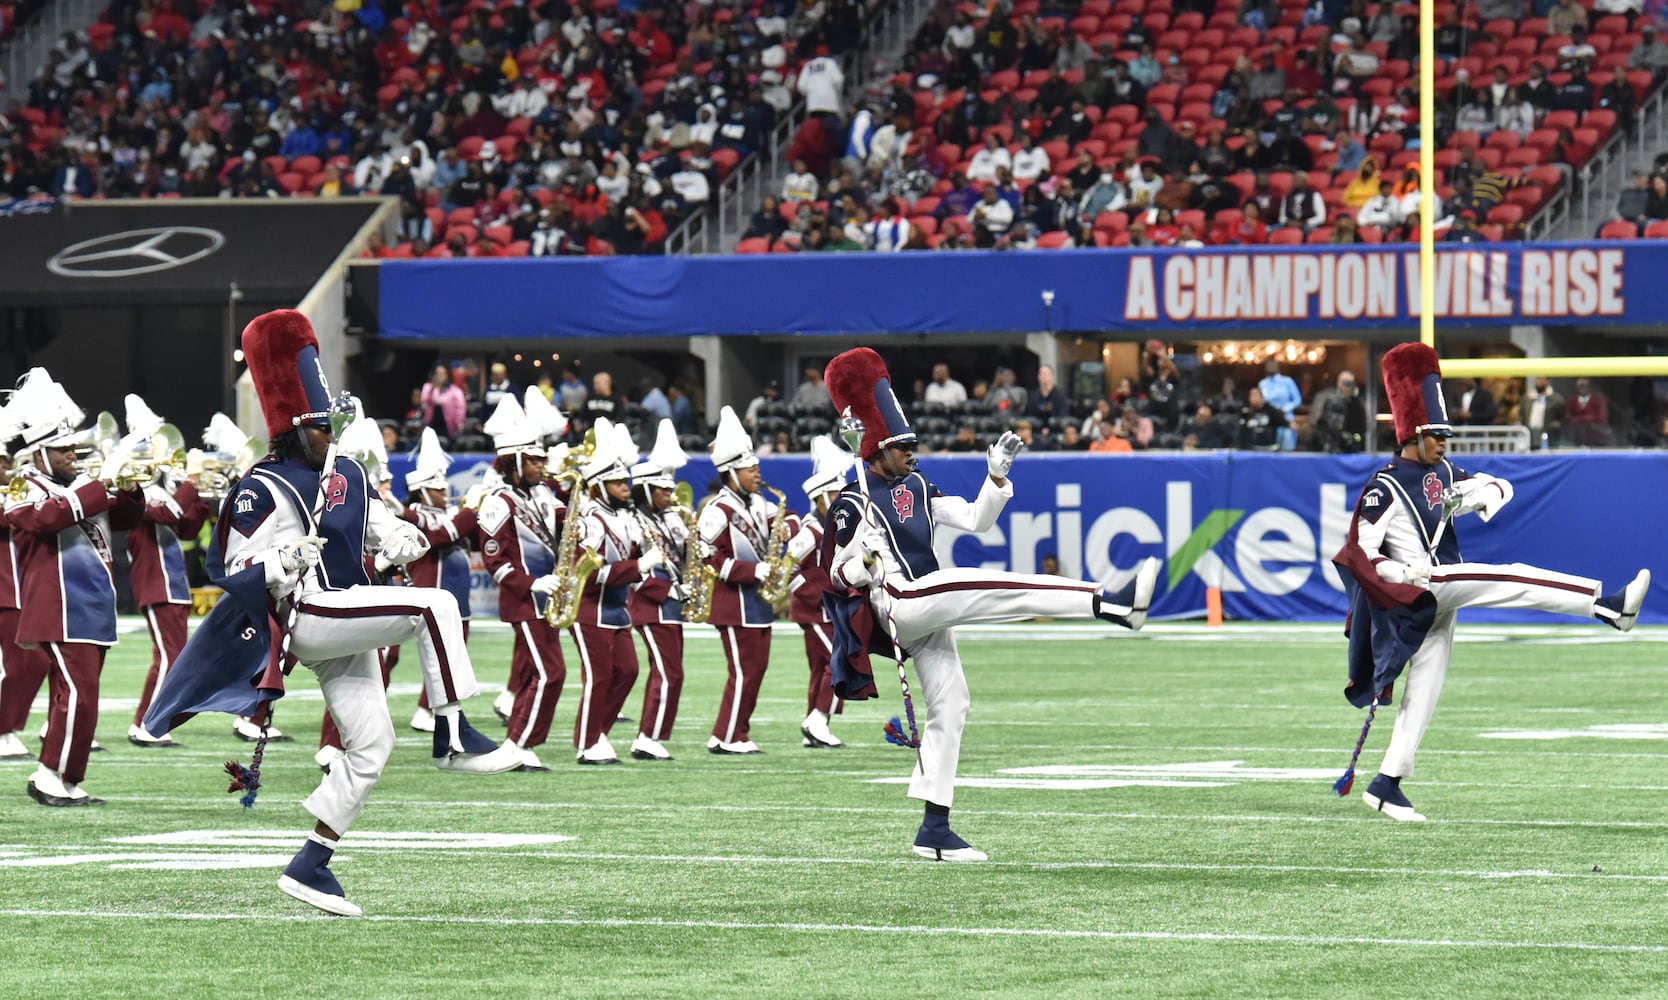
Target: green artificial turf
(1157,808)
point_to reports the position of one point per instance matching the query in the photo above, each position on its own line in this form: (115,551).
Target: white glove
(473,496)
(303,555)
(856,574)
(999,457)
(114,461)
(1416,574)
(761,572)
(651,560)
(382,564)
(404,544)
(800,545)
(545,584)
(193,463)
(679,592)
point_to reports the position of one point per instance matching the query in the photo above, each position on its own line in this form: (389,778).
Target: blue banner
(1227,289)
(1263,528)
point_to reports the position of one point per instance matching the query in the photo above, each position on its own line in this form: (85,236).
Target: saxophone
(776,555)
(698,578)
(574,569)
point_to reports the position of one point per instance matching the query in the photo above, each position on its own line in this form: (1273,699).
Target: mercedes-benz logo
(136,251)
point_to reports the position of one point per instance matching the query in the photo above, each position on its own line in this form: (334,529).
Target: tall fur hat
(283,358)
(859,385)
(1413,381)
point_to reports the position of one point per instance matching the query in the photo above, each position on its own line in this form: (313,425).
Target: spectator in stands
(1408,193)
(800,184)
(1472,404)
(1633,204)
(1134,428)
(1656,206)
(1145,69)
(1464,229)
(1261,425)
(1302,207)
(1049,400)
(1382,211)
(1576,93)
(1617,96)
(1451,39)
(812,395)
(768,395)
(1031,162)
(1109,441)
(1650,54)
(497,387)
(572,391)
(1344,231)
(653,400)
(1465,200)
(1513,113)
(982,167)
(1587,417)
(1203,433)
(602,401)
(1365,186)
(1339,423)
(683,410)
(443,403)
(990,218)
(944,390)
(1281,392)
(889,231)
(1005,397)
(822,84)
(767,223)
(1144,189)
(1543,414)
(1565,17)
(1268,83)
(1090,428)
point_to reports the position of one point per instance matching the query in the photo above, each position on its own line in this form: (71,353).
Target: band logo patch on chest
(1433,489)
(903,502)
(335,492)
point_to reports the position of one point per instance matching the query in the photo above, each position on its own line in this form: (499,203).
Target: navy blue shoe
(1127,606)
(1385,795)
(471,752)
(935,841)
(308,878)
(1621,610)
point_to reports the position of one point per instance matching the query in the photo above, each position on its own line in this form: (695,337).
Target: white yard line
(1349,812)
(844,928)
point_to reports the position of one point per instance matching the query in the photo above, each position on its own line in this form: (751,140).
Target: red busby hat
(1413,381)
(283,358)
(859,385)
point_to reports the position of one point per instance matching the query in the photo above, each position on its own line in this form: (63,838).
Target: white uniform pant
(337,635)
(926,610)
(1471,585)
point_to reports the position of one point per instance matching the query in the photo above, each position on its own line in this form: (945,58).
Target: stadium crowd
(546,128)
(1189,124)
(1162,405)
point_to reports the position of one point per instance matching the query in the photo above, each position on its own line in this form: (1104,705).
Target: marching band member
(448,529)
(22,671)
(881,539)
(156,566)
(62,528)
(518,530)
(293,533)
(735,527)
(608,659)
(831,466)
(656,601)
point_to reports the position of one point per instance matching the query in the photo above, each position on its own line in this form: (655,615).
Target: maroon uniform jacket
(63,538)
(810,579)
(736,530)
(156,561)
(617,541)
(651,600)
(518,531)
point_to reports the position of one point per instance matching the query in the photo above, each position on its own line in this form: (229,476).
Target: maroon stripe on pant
(537,660)
(820,696)
(408,611)
(74,668)
(22,672)
(992,584)
(747,653)
(1574,588)
(167,639)
(665,665)
(329,736)
(609,660)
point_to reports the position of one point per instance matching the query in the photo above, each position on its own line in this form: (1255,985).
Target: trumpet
(17,490)
(136,473)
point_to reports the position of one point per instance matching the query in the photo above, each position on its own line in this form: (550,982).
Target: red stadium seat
(1657,230)
(1619,230)
(1285,237)
(1053,241)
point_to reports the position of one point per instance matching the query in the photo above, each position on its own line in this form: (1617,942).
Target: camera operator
(1340,423)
